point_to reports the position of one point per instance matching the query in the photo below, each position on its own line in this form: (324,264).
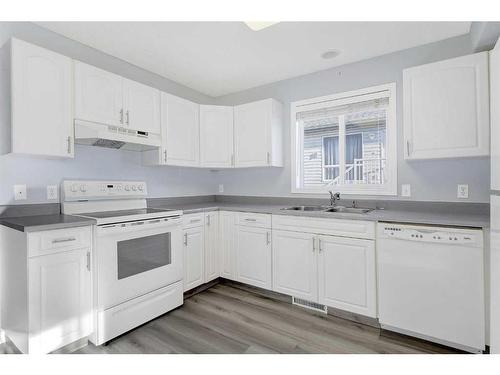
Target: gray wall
(434,180)
(430,180)
(93,162)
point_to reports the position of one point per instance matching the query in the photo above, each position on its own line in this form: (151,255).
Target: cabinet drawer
(334,227)
(193,220)
(54,241)
(255,220)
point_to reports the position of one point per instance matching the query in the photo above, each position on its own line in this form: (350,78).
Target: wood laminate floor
(227,319)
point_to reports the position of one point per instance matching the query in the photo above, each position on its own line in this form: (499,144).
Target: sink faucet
(333,198)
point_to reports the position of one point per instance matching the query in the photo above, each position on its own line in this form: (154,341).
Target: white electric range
(137,254)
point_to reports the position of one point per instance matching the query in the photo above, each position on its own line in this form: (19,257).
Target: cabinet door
(295,264)
(227,244)
(495,116)
(446,108)
(180,120)
(42,101)
(194,259)
(252,134)
(216,136)
(142,107)
(98,95)
(346,270)
(253,257)
(211,246)
(59,299)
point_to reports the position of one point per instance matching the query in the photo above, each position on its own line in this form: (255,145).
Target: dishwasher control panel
(431,234)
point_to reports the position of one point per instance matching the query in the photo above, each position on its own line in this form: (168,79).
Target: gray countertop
(400,216)
(45,222)
(444,217)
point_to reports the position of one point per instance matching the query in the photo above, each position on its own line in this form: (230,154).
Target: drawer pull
(250,219)
(60,240)
(195,221)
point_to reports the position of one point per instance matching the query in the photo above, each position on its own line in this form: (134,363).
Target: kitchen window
(346,142)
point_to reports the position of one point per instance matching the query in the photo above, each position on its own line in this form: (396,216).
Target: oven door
(136,258)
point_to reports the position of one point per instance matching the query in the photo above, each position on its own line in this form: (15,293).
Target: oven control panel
(84,190)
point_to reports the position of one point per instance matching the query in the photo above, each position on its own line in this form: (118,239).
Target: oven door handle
(139,225)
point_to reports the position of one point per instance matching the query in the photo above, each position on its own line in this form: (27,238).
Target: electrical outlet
(221,188)
(463,191)
(51,191)
(20,192)
(406,190)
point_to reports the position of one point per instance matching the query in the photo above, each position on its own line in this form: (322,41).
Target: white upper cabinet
(40,121)
(98,95)
(180,121)
(446,108)
(216,136)
(141,106)
(258,128)
(106,98)
(495,116)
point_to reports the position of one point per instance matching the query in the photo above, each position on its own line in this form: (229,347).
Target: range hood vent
(100,135)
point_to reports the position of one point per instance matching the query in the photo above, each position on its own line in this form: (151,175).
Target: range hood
(92,134)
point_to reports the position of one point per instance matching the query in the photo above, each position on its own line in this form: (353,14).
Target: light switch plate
(462,191)
(20,192)
(406,190)
(221,188)
(52,192)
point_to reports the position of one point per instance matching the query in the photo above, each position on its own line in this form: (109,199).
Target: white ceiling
(218,58)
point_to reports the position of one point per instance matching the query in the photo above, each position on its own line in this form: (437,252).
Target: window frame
(297,145)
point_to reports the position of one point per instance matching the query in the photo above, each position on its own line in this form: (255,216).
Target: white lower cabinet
(211,246)
(334,271)
(295,265)
(227,244)
(46,287)
(254,256)
(201,248)
(194,257)
(59,299)
(346,274)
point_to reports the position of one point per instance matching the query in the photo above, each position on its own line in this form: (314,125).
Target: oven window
(143,254)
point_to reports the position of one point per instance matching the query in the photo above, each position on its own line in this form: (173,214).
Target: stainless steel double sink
(333,209)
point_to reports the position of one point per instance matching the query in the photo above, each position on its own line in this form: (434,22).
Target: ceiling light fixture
(330,54)
(256,26)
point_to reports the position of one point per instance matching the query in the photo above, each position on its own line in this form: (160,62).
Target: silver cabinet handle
(250,219)
(208,220)
(88,261)
(268,158)
(268,238)
(128,117)
(319,245)
(194,221)
(185,239)
(408,148)
(121,116)
(165,155)
(69,144)
(68,239)
(314,244)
